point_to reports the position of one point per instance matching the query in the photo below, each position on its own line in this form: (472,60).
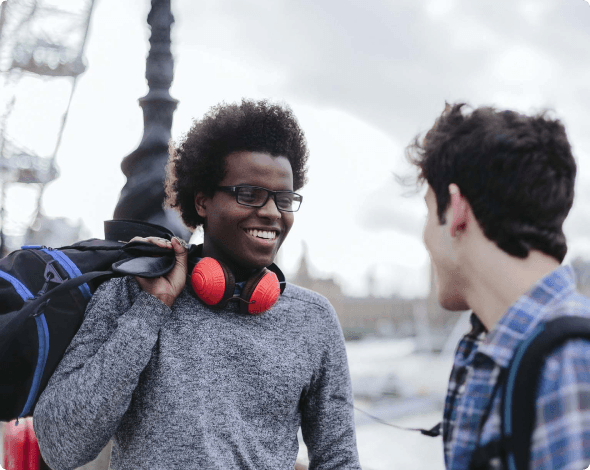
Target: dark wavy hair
(517,172)
(197,162)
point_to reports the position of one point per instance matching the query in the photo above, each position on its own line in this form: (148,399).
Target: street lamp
(143,194)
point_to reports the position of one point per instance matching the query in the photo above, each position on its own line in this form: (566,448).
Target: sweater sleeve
(327,414)
(91,389)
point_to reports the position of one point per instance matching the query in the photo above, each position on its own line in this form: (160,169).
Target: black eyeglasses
(255,196)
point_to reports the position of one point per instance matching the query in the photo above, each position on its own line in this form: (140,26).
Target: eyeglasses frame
(269,193)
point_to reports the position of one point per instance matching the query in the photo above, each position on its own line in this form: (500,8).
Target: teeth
(263,234)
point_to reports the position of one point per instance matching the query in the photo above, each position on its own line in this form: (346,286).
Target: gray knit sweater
(192,387)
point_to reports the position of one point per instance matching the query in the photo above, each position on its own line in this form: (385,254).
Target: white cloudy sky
(362,77)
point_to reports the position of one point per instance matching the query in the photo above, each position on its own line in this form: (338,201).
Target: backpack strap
(14,321)
(488,456)
(149,266)
(518,393)
(126,229)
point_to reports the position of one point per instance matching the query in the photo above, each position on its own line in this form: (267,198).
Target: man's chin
(453,303)
(257,262)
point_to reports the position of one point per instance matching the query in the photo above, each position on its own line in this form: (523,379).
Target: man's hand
(166,288)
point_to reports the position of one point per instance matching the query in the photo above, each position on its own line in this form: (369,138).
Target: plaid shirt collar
(480,358)
(525,314)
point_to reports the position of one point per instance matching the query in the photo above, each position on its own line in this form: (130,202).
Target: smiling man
(221,371)
(500,185)
(236,234)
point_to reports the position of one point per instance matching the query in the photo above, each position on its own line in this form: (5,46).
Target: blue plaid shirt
(561,437)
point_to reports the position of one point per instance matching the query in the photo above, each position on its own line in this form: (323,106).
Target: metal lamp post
(143,194)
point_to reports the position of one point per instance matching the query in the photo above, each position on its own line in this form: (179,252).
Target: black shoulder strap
(518,394)
(155,262)
(14,321)
(125,229)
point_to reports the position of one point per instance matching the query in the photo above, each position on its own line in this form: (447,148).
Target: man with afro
(220,370)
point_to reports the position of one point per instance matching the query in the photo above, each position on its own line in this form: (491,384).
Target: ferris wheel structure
(41,57)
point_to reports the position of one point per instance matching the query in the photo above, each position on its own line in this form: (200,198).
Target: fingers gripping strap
(211,282)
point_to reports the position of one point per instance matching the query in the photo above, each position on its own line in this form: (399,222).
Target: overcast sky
(363,78)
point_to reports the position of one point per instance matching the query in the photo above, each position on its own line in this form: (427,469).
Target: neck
(242,274)
(497,280)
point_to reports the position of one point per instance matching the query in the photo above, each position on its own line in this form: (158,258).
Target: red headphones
(214,283)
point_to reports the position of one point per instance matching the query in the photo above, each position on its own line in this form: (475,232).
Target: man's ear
(459,210)
(201,204)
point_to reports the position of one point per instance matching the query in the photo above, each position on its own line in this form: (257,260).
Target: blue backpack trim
(43,336)
(509,390)
(20,288)
(67,271)
(43,333)
(70,268)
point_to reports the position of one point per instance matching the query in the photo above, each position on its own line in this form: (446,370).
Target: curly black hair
(197,162)
(517,172)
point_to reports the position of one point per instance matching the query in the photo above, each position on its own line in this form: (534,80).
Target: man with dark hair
(500,185)
(221,371)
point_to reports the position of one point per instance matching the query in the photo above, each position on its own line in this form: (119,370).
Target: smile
(263,234)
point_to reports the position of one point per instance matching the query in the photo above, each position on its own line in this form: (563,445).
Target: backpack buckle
(40,309)
(50,275)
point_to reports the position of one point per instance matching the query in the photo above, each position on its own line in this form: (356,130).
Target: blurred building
(373,315)
(582,270)
(55,232)
(396,316)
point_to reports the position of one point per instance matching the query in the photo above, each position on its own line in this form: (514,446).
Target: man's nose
(270,209)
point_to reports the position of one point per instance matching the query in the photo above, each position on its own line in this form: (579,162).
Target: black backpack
(518,393)
(43,297)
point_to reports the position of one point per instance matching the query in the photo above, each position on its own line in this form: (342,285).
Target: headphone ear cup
(262,290)
(212,281)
